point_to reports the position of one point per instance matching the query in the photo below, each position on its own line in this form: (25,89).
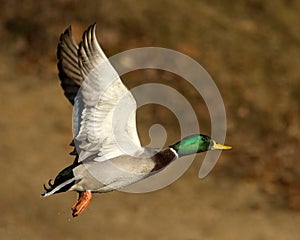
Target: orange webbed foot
(82,203)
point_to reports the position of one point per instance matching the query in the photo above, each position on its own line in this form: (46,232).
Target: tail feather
(63,182)
(60,188)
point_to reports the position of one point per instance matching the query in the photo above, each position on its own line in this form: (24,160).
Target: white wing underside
(104,119)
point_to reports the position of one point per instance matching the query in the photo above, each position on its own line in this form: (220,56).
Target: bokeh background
(251,49)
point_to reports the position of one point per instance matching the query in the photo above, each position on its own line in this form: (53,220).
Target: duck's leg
(82,203)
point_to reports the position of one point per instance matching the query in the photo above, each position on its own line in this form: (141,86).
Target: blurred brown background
(251,49)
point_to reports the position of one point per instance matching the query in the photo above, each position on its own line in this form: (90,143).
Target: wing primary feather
(101,91)
(68,65)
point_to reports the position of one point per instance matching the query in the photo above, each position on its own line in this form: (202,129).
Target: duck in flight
(100,165)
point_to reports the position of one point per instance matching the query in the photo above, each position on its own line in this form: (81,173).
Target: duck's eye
(204,138)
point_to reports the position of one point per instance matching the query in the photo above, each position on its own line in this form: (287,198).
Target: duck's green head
(195,144)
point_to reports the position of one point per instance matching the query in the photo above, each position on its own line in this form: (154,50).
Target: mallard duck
(99,165)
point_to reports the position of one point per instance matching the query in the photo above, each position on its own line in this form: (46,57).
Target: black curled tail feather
(48,189)
(63,182)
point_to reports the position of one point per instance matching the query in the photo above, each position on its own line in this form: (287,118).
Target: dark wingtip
(92,26)
(68,32)
(68,29)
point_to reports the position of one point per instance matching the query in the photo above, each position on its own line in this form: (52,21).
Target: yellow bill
(219,146)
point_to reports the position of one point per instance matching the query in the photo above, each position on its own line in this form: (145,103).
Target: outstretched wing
(104,110)
(68,66)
